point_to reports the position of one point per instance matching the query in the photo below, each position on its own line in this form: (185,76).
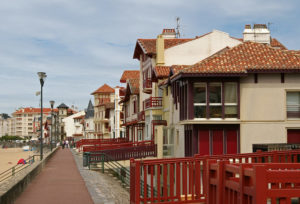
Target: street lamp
(42,76)
(52,104)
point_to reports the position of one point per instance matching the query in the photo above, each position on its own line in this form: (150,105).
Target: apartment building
(26,120)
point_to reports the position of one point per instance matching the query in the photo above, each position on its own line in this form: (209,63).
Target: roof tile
(245,57)
(104,89)
(129,74)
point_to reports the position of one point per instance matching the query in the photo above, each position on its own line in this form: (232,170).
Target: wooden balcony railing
(126,153)
(101,147)
(195,180)
(93,142)
(141,116)
(153,102)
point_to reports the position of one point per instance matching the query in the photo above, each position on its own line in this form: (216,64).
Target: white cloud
(83,44)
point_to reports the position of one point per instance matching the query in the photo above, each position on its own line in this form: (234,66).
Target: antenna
(177,27)
(269,25)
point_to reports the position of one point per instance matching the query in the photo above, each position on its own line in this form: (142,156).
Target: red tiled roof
(71,111)
(295,52)
(79,117)
(129,74)
(248,56)
(33,110)
(134,85)
(162,71)
(149,45)
(276,44)
(104,89)
(177,68)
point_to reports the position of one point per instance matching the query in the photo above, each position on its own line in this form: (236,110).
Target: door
(203,140)
(217,139)
(231,141)
(293,136)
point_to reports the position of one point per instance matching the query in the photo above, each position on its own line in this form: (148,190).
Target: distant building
(4,124)
(26,121)
(89,127)
(73,126)
(63,112)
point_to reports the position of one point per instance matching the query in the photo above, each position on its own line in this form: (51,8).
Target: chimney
(169,33)
(259,33)
(160,50)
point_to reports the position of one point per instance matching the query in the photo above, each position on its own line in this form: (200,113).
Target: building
(236,98)
(166,56)
(102,96)
(26,121)
(73,126)
(89,127)
(4,124)
(63,111)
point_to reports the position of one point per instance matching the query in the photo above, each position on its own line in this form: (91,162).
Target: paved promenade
(59,182)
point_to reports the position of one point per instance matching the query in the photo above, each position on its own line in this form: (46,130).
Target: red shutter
(231,142)
(293,137)
(217,142)
(203,139)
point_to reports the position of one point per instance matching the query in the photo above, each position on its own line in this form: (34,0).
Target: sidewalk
(59,182)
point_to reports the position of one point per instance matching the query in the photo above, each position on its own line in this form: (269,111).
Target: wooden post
(260,184)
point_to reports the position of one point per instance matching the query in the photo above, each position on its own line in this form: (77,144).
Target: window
(200,100)
(215,100)
(168,142)
(220,100)
(134,107)
(231,108)
(293,104)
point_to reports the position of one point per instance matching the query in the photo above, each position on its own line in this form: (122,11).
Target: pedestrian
(63,144)
(67,143)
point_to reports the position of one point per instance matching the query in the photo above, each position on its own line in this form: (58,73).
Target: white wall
(70,128)
(263,109)
(196,50)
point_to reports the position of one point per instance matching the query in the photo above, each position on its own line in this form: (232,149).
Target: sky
(82,44)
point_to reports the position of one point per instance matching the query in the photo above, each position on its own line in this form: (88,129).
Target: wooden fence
(190,180)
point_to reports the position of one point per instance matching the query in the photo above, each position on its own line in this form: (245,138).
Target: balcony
(153,102)
(124,151)
(147,85)
(141,116)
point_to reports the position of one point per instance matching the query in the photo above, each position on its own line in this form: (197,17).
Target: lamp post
(51,104)
(42,76)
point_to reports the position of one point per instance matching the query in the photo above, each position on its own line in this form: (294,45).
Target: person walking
(67,143)
(63,144)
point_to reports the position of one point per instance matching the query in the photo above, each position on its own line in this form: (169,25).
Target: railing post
(137,181)
(89,160)
(220,177)
(102,163)
(260,184)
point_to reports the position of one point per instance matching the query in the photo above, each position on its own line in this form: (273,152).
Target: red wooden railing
(126,153)
(253,183)
(110,146)
(93,142)
(185,180)
(153,102)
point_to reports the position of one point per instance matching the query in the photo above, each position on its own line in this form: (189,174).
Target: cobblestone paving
(103,188)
